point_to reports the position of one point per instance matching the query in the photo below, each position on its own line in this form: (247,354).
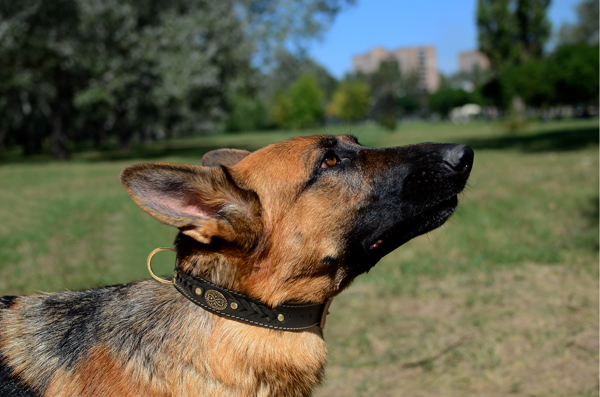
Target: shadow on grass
(591,213)
(564,139)
(560,140)
(156,150)
(160,150)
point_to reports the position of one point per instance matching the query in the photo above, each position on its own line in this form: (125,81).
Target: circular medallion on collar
(215,299)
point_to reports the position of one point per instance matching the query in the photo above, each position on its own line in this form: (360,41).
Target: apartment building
(422,59)
(468,61)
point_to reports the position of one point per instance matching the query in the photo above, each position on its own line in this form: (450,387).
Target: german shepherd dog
(265,240)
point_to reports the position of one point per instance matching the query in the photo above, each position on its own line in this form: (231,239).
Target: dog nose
(460,158)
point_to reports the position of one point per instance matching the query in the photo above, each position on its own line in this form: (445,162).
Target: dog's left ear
(226,157)
(203,202)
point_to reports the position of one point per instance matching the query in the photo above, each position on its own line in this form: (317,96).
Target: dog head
(299,220)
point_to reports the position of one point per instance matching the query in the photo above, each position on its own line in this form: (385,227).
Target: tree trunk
(123,129)
(30,138)
(59,142)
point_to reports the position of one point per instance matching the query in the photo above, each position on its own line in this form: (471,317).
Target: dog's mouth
(387,234)
(412,197)
(420,220)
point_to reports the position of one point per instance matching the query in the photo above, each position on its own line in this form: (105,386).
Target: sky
(449,25)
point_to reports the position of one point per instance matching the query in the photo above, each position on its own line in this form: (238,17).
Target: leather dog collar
(227,303)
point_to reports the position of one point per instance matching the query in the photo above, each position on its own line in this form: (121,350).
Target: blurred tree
(568,76)
(385,84)
(306,102)
(281,108)
(573,73)
(83,69)
(172,69)
(247,114)
(350,101)
(529,81)
(275,25)
(393,94)
(585,30)
(512,31)
(290,66)
(445,99)
(410,97)
(573,67)
(470,79)
(492,93)
(40,74)
(495,25)
(285,72)
(533,28)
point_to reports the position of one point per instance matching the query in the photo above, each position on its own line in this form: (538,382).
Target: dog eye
(330,161)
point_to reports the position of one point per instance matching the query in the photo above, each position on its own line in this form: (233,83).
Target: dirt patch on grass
(531,331)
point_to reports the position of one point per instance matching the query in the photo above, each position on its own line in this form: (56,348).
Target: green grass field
(502,300)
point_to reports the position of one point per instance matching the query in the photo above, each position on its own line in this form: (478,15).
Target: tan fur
(203,355)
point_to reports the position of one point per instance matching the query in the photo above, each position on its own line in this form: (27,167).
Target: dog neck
(236,306)
(209,276)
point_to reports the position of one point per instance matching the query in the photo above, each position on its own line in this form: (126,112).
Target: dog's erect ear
(203,202)
(226,157)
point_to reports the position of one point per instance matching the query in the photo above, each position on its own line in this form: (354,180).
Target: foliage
(387,111)
(445,99)
(385,83)
(528,81)
(39,76)
(81,70)
(247,114)
(350,101)
(392,93)
(512,31)
(277,82)
(174,72)
(301,106)
(533,28)
(407,103)
(568,76)
(573,72)
(278,25)
(289,67)
(281,108)
(495,31)
(585,30)
(465,79)
(306,102)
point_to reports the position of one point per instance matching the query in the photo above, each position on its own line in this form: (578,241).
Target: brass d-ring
(154,276)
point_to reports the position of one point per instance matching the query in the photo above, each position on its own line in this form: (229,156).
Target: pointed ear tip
(226,157)
(131,169)
(124,175)
(127,173)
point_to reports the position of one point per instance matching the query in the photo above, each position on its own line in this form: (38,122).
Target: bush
(445,99)
(281,109)
(247,114)
(301,106)
(307,102)
(573,72)
(350,101)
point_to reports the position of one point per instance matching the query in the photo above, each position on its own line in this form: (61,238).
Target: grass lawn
(502,300)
